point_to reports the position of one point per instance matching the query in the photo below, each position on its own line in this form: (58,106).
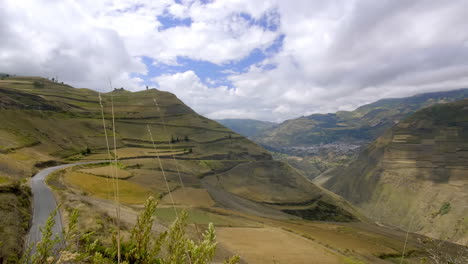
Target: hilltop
(415,176)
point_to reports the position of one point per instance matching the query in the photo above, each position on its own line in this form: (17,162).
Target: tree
(186,138)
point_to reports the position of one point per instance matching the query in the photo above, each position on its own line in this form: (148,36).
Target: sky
(269,60)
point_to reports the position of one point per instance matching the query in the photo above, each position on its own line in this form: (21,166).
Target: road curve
(44,204)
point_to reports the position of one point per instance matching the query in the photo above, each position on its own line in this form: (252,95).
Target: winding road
(44,204)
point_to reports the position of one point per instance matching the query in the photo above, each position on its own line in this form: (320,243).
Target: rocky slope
(415,176)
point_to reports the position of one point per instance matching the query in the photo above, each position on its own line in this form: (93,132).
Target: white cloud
(335,55)
(338,55)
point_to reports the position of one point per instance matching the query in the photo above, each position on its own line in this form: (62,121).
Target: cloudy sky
(269,60)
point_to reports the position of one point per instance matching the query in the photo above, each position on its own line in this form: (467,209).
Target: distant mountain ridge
(316,143)
(361,125)
(247,127)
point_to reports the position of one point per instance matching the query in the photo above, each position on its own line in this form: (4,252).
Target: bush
(445,208)
(38,84)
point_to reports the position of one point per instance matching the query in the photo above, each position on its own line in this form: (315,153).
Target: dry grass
(138,152)
(345,238)
(130,193)
(273,245)
(190,197)
(4,180)
(108,171)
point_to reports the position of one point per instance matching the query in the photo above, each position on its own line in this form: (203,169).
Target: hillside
(247,127)
(319,142)
(415,176)
(45,123)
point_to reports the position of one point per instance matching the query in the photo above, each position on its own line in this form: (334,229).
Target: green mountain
(415,176)
(361,125)
(44,123)
(319,142)
(247,127)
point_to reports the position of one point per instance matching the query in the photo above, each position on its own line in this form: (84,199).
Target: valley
(319,142)
(214,173)
(189,163)
(233,132)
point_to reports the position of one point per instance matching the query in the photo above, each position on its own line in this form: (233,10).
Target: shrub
(445,208)
(38,84)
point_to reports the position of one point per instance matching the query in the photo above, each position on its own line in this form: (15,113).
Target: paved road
(44,203)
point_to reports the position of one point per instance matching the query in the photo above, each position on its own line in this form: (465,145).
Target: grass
(4,180)
(108,171)
(351,260)
(15,211)
(195,216)
(130,193)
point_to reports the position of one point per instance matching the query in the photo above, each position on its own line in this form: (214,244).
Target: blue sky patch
(212,75)
(269,21)
(168,21)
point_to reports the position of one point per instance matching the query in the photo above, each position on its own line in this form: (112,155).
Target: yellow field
(273,245)
(4,180)
(130,193)
(136,152)
(108,171)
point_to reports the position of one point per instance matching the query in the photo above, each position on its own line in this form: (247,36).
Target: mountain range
(318,142)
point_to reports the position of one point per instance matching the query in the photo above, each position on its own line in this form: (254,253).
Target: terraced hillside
(415,176)
(44,123)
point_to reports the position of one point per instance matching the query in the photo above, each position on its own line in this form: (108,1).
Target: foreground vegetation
(15,216)
(142,247)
